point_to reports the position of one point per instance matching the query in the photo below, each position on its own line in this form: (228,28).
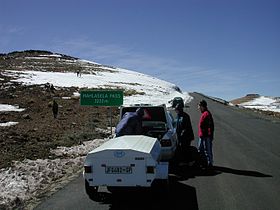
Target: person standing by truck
(184,127)
(131,123)
(184,132)
(206,132)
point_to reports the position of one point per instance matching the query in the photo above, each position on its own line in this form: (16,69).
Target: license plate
(118,170)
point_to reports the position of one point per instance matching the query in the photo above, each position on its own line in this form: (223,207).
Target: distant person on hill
(131,123)
(55,109)
(52,89)
(206,132)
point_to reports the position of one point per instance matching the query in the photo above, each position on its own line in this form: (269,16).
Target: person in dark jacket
(184,127)
(130,124)
(55,109)
(206,132)
(184,133)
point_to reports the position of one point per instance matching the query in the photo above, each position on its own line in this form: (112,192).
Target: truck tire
(91,191)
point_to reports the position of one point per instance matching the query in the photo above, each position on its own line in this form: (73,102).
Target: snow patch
(10,108)
(28,179)
(89,62)
(263,103)
(7,124)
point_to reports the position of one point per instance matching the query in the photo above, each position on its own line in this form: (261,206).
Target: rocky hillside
(32,79)
(262,104)
(45,61)
(37,131)
(248,97)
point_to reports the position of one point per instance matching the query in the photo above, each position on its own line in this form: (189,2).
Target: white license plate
(118,170)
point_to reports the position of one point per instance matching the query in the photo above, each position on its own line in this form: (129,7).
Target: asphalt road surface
(246,171)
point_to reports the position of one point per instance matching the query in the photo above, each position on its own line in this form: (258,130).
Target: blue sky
(222,48)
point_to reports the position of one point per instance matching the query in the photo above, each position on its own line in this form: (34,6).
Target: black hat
(203,103)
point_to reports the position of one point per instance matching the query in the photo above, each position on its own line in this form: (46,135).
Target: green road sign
(101,98)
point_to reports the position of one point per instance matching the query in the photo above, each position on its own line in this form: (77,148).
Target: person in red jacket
(206,132)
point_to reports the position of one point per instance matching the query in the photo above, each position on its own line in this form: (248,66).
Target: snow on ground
(10,108)
(7,124)
(50,55)
(150,90)
(89,62)
(263,103)
(28,179)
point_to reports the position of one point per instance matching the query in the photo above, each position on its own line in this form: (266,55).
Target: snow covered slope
(264,103)
(138,88)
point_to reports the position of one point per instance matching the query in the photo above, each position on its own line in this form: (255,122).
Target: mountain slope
(256,101)
(41,67)
(247,98)
(27,127)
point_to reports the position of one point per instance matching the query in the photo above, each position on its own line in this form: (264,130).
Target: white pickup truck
(126,161)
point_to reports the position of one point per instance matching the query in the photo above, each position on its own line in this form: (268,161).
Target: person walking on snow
(206,132)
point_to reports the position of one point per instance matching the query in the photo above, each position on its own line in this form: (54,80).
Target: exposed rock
(26,117)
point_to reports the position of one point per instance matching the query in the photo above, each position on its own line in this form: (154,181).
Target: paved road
(246,175)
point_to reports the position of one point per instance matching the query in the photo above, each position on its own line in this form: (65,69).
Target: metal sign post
(111,120)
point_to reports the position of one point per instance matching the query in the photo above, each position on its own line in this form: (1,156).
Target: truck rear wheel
(90,190)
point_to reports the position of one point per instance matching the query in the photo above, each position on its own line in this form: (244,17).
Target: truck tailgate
(124,172)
